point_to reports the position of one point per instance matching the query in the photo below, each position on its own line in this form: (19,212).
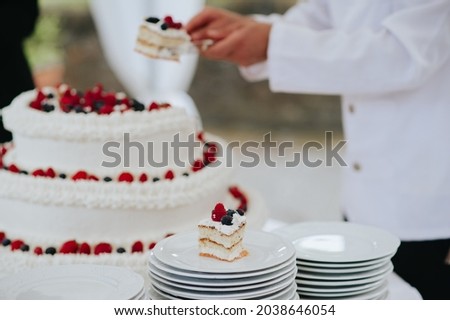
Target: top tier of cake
(101,132)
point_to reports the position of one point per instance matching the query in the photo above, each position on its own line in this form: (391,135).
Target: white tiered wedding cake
(60,205)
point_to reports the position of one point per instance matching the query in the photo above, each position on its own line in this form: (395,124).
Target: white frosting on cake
(99,195)
(20,119)
(237,222)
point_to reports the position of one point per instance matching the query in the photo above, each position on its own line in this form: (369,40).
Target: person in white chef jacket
(390,62)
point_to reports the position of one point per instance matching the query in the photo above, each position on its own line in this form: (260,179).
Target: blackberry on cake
(221,236)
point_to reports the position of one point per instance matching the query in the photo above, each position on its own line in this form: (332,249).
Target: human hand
(237,39)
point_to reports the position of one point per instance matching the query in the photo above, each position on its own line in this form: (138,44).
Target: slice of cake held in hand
(162,39)
(221,237)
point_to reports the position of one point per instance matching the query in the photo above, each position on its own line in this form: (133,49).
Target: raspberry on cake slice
(221,237)
(162,39)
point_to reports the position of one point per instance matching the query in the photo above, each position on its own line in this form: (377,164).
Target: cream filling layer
(212,249)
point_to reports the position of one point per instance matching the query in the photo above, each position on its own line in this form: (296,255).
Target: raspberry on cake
(162,38)
(221,237)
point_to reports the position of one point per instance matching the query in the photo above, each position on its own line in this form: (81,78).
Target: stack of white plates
(340,260)
(74,282)
(177,271)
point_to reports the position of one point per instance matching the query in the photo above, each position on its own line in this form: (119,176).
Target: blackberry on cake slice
(221,236)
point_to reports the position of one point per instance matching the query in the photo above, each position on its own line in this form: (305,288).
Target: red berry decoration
(3,151)
(106,109)
(110,99)
(169,175)
(69,247)
(201,136)
(50,173)
(168,20)
(16,244)
(126,102)
(102,248)
(153,106)
(235,192)
(209,157)
(138,246)
(2,236)
(35,105)
(126,177)
(84,248)
(38,173)
(177,25)
(92,178)
(143,178)
(151,245)
(97,90)
(13,168)
(218,212)
(80,175)
(38,251)
(198,165)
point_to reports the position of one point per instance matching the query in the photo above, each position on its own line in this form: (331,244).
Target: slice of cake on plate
(221,237)
(162,39)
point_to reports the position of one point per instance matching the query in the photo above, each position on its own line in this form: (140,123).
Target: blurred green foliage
(44,47)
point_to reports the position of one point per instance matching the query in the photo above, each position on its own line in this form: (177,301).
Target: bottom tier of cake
(18,258)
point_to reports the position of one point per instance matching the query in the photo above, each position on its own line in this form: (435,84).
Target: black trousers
(17,21)
(16,78)
(422,264)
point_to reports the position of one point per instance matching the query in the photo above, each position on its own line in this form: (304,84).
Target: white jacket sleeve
(309,14)
(411,45)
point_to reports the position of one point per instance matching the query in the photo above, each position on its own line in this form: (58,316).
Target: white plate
(336,294)
(290,274)
(155,264)
(289,293)
(373,294)
(347,276)
(219,295)
(223,282)
(73,282)
(339,241)
(341,289)
(266,250)
(333,283)
(303,268)
(337,265)
(285,294)
(156,294)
